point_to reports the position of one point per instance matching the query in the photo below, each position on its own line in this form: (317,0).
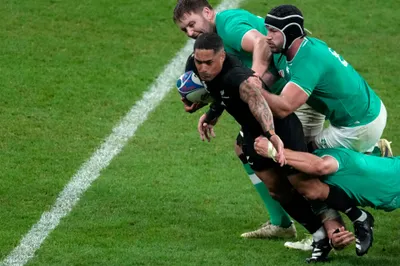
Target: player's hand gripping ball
(192,88)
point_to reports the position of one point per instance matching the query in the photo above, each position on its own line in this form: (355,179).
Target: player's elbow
(322,168)
(282,112)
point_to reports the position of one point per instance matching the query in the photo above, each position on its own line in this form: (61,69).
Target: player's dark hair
(209,41)
(188,6)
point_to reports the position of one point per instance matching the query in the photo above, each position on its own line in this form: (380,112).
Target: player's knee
(276,195)
(311,193)
(281,195)
(238,149)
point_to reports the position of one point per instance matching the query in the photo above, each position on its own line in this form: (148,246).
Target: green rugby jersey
(370,180)
(334,87)
(231,26)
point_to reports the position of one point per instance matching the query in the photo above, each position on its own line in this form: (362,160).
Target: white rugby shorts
(360,138)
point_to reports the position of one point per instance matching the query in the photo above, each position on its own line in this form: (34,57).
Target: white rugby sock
(319,234)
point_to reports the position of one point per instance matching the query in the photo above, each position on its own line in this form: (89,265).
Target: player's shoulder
(313,47)
(232,62)
(231,14)
(190,65)
(233,68)
(310,52)
(231,17)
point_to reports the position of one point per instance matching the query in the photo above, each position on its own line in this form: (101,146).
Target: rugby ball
(192,88)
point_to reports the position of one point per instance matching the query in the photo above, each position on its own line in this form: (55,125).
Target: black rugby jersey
(224,88)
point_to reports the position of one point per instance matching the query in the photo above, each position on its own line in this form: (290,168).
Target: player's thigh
(312,121)
(310,187)
(374,131)
(270,178)
(277,183)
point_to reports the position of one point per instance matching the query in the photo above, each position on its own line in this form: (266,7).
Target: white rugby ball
(192,88)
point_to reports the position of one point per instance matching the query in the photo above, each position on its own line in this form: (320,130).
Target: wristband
(268,135)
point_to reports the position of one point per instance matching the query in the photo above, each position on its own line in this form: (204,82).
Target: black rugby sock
(338,199)
(300,210)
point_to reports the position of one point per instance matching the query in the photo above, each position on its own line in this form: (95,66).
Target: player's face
(194,24)
(208,63)
(275,40)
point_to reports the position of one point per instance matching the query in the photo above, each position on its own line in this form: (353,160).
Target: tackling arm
(254,42)
(311,164)
(303,161)
(269,79)
(290,99)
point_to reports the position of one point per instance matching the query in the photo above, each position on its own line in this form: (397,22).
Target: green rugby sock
(277,214)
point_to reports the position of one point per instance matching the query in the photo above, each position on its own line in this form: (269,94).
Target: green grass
(72,69)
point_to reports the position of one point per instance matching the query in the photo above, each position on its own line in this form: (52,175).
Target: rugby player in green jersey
(240,31)
(349,179)
(316,74)
(320,77)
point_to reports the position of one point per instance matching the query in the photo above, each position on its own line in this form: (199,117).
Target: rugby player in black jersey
(237,90)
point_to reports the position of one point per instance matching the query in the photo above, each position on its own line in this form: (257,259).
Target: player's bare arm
(254,42)
(250,92)
(311,164)
(290,99)
(269,79)
(305,162)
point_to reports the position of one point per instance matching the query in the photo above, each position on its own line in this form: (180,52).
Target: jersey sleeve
(215,111)
(305,75)
(237,75)
(233,32)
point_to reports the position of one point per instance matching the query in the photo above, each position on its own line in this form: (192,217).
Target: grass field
(70,70)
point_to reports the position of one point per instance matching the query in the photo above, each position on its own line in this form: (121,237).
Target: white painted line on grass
(102,157)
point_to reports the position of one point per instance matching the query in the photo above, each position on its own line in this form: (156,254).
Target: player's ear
(207,13)
(223,55)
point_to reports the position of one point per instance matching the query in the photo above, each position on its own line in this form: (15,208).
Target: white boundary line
(102,157)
